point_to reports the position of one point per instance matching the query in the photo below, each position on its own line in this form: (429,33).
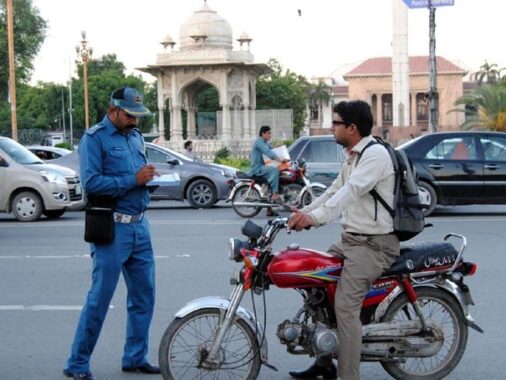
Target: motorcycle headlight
(234,249)
(53,177)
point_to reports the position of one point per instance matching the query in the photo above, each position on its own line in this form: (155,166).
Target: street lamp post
(84,52)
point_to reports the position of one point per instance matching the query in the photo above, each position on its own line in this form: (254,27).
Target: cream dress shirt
(349,196)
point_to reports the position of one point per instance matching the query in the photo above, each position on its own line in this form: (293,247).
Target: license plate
(78,190)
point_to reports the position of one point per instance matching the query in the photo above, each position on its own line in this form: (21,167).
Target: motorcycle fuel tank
(300,267)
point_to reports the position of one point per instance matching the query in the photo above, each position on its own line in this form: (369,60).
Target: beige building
(372,81)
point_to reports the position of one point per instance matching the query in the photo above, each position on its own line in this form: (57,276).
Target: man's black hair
(187,144)
(356,112)
(263,129)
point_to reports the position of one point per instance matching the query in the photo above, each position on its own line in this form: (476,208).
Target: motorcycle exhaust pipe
(255,204)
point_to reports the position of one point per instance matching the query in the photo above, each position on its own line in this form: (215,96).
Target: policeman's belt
(125,218)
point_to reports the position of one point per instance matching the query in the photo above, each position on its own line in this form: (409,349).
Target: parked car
(29,187)
(200,183)
(460,168)
(323,156)
(46,153)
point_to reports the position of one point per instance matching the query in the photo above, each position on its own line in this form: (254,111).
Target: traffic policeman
(113,165)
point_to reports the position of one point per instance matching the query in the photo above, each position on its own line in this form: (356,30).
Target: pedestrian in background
(188,150)
(113,165)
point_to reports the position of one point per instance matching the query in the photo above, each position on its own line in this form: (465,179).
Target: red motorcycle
(415,317)
(251,194)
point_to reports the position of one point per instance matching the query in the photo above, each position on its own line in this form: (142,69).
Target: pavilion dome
(205,29)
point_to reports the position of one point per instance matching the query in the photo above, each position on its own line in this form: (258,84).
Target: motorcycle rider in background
(261,147)
(367,244)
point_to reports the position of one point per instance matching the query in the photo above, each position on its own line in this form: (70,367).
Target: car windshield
(18,152)
(179,156)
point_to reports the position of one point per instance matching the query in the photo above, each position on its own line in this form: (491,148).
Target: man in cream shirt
(367,244)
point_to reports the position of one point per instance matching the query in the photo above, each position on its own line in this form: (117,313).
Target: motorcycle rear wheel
(246,193)
(438,308)
(187,340)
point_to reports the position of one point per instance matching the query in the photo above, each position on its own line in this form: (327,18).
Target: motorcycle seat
(258,179)
(423,257)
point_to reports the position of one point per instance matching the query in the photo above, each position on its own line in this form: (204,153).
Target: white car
(46,153)
(29,187)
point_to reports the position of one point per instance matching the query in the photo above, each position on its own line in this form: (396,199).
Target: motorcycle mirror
(251,230)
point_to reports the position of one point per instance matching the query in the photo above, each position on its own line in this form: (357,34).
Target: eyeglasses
(340,122)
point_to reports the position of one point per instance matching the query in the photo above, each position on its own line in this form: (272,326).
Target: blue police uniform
(109,162)
(271,173)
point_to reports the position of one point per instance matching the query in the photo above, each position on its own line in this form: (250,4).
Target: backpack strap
(378,197)
(373,192)
(371,143)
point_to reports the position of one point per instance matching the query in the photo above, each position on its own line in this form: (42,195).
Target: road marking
(80,257)
(43,307)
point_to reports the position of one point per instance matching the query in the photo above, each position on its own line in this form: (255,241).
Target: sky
(327,39)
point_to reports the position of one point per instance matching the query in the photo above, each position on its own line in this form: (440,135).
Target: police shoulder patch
(94,129)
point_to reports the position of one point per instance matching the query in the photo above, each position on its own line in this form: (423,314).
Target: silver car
(323,157)
(30,187)
(200,183)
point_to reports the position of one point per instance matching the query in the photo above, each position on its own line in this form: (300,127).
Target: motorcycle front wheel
(440,309)
(307,198)
(245,194)
(187,341)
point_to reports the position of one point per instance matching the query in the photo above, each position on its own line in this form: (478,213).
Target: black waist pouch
(99,219)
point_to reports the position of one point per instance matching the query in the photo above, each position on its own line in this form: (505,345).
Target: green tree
(105,74)
(488,103)
(488,73)
(29,34)
(319,95)
(283,89)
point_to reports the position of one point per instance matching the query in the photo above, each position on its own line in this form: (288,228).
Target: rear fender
(223,303)
(448,287)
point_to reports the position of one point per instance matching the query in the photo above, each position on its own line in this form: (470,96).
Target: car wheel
(27,206)
(428,197)
(201,194)
(53,214)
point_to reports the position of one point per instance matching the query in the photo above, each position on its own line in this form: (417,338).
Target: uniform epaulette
(94,129)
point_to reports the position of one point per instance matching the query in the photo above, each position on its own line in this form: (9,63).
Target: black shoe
(315,371)
(144,368)
(271,212)
(79,376)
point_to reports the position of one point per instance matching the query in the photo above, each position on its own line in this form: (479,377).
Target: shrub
(240,163)
(222,153)
(64,145)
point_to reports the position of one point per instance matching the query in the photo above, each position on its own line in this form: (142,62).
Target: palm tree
(488,73)
(319,95)
(489,105)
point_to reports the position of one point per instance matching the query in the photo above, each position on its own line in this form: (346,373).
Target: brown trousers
(365,258)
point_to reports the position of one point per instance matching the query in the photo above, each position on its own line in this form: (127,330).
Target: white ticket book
(165,180)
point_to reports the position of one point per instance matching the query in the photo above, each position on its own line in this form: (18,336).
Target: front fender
(241,184)
(223,303)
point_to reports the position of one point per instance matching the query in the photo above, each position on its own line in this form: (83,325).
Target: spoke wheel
(187,341)
(307,198)
(246,194)
(440,309)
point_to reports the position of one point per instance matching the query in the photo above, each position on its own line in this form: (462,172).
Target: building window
(422,107)
(386,101)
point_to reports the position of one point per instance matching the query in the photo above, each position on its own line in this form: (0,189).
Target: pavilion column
(245,124)
(176,131)
(191,126)
(161,108)
(226,130)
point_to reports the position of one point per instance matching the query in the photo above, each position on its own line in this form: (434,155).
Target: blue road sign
(425,3)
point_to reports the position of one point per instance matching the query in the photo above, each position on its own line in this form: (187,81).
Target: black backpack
(408,218)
